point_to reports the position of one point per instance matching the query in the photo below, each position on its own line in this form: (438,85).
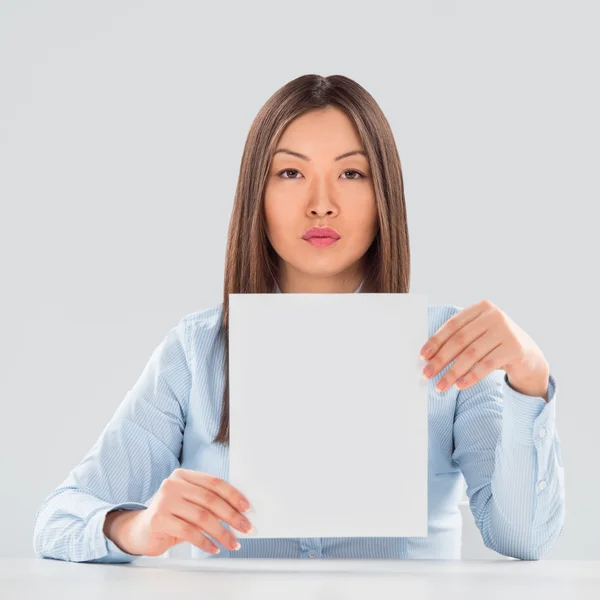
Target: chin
(321,270)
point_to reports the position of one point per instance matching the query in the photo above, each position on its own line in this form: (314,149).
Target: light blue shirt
(504,443)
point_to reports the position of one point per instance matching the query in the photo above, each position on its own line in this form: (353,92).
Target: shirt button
(542,484)
(312,554)
(542,432)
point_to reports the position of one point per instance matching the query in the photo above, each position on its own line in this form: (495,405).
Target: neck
(294,282)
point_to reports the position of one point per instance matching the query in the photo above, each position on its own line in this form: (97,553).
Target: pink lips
(321,237)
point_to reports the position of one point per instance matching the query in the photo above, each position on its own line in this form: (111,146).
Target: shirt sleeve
(508,449)
(135,452)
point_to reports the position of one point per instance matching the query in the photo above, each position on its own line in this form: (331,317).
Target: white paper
(328,413)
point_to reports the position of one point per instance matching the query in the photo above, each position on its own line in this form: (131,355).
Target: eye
(354,171)
(357,174)
(288,171)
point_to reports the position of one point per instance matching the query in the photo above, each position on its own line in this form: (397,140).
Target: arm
(138,448)
(508,449)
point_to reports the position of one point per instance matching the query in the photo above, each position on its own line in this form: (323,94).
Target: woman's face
(319,189)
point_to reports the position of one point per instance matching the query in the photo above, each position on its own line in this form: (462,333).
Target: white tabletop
(162,578)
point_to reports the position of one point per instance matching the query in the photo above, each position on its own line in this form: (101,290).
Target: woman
(320,154)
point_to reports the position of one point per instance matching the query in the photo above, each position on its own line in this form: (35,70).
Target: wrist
(117,526)
(531,384)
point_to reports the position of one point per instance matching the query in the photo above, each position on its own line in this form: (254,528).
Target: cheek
(372,212)
(278,220)
(270,212)
(364,219)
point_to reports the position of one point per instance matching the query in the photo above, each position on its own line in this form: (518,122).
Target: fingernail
(245,505)
(246,527)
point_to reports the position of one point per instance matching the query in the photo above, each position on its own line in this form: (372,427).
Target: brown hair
(251,265)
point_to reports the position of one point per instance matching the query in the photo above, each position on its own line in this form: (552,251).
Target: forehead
(323,131)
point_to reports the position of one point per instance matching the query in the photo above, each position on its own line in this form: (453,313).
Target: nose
(321,203)
(320,212)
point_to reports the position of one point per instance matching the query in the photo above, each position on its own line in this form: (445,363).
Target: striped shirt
(502,443)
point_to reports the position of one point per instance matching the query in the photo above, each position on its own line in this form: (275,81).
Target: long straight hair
(251,265)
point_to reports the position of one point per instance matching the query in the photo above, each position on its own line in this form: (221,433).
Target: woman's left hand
(481,338)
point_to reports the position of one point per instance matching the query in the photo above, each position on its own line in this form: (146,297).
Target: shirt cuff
(528,419)
(105,550)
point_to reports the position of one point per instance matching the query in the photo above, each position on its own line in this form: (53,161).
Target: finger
(173,525)
(458,343)
(221,487)
(203,497)
(451,326)
(203,518)
(468,358)
(221,498)
(483,368)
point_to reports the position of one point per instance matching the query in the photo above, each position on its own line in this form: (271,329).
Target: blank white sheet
(328,413)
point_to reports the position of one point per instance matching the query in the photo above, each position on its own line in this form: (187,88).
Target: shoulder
(206,319)
(201,327)
(210,319)
(207,322)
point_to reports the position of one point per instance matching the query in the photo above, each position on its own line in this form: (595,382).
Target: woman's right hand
(188,504)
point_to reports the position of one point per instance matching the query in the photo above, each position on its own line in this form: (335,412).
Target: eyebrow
(304,157)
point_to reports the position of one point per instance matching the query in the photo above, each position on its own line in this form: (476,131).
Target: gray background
(121,129)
